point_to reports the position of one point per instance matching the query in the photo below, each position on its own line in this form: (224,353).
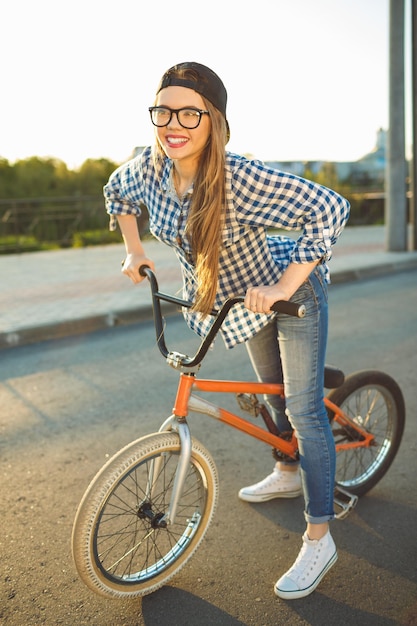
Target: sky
(306,79)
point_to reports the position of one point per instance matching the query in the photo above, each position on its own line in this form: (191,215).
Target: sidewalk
(46,295)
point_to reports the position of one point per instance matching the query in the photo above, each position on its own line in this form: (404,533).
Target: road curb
(81,326)
(85,325)
(373,271)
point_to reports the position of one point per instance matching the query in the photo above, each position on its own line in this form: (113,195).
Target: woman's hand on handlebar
(131,266)
(260,299)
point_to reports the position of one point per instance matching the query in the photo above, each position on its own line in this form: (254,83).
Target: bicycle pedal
(344,502)
(248,402)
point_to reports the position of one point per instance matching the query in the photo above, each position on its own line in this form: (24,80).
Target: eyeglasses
(188,117)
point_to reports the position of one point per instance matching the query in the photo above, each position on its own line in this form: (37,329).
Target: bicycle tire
(117,552)
(373,400)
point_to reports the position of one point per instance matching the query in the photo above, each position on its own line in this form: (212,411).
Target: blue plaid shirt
(258,198)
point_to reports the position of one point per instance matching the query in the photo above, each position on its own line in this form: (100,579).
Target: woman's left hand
(260,299)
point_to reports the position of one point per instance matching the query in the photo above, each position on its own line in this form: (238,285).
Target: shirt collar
(167,183)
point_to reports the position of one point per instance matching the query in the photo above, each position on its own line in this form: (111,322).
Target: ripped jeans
(292,350)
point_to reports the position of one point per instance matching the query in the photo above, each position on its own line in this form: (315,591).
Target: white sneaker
(314,561)
(279,484)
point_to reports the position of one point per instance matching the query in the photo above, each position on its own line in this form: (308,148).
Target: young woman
(214,209)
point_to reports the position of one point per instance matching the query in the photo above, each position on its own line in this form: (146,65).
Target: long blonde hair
(205,220)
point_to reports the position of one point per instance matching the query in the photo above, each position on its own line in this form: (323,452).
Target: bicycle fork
(181,471)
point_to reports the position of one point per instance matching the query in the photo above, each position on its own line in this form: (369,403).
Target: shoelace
(303,561)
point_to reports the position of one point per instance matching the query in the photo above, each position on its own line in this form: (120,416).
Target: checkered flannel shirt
(258,199)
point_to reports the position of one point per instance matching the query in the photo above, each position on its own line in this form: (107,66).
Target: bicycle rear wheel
(375,402)
(117,548)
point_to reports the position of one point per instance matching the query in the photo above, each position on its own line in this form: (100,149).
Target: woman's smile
(175,141)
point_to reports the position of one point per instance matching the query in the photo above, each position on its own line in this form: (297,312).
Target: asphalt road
(65,406)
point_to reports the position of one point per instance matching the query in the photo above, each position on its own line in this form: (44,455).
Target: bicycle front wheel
(118,547)
(374,401)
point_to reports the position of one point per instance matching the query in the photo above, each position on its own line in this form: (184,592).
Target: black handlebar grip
(142,269)
(290,308)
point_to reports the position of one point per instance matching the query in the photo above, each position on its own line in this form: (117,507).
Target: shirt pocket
(163,224)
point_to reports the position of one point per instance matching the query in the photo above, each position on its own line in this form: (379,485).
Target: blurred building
(370,169)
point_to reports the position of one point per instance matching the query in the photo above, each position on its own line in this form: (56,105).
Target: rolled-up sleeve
(123,192)
(277,199)
(322,227)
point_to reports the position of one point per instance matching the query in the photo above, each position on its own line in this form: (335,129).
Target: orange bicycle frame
(184,402)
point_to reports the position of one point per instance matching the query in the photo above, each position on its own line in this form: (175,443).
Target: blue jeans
(292,350)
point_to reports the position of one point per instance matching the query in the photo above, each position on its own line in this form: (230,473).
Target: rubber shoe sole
(269,496)
(278,484)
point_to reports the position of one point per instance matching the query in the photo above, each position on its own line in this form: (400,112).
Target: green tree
(327,176)
(37,178)
(93,175)
(7,179)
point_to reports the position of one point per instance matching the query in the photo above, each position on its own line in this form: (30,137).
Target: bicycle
(148,509)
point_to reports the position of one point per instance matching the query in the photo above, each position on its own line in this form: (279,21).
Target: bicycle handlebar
(289,308)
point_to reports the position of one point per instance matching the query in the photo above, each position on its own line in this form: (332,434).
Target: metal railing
(28,224)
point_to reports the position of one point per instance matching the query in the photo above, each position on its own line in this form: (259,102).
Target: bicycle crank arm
(344,502)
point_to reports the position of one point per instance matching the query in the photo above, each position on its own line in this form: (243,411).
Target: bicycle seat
(333,377)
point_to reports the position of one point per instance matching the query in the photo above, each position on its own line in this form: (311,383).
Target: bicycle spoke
(129,546)
(372,409)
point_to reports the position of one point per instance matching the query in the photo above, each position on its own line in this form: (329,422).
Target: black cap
(207,83)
